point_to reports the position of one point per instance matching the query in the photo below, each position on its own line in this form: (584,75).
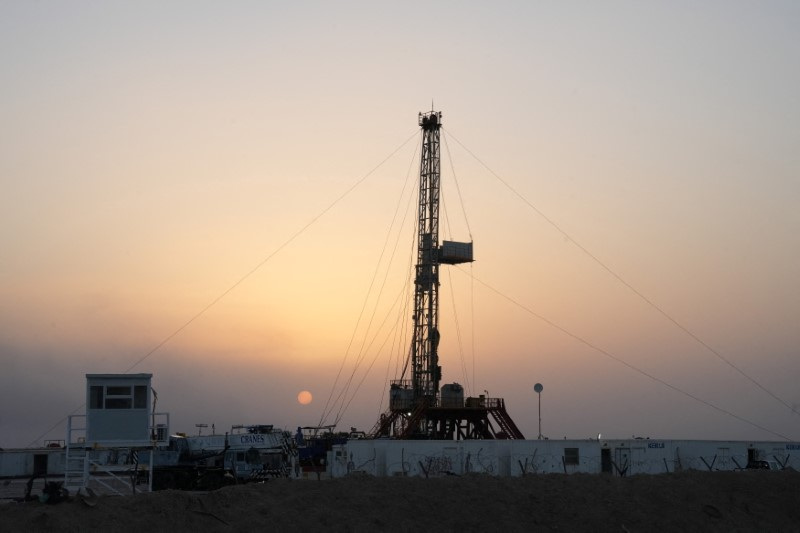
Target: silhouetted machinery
(418,407)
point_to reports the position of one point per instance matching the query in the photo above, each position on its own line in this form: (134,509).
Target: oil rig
(419,408)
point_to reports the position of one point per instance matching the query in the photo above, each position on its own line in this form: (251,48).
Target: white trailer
(618,457)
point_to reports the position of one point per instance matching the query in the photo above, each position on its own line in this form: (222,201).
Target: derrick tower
(418,408)
(425,370)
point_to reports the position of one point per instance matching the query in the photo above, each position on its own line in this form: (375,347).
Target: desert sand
(684,501)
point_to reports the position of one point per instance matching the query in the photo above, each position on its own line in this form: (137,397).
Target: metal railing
(100,464)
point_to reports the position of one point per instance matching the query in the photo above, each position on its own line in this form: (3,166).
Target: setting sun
(304,398)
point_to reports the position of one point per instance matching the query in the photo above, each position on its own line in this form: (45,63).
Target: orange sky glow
(156,160)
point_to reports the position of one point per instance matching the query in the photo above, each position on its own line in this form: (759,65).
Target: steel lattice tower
(418,408)
(426,372)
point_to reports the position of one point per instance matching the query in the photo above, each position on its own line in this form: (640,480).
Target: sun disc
(304,398)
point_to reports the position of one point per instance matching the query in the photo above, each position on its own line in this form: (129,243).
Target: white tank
(451,395)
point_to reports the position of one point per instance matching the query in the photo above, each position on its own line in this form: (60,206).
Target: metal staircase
(76,467)
(497,409)
(85,469)
(412,425)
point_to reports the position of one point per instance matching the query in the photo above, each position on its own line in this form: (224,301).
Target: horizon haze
(224,196)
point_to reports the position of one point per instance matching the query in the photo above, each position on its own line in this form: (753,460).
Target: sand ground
(685,501)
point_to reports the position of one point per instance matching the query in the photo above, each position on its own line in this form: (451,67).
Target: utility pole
(538,388)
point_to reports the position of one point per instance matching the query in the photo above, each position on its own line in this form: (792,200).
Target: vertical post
(67,450)
(86,460)
(538,388)
(150,472)
(540,416)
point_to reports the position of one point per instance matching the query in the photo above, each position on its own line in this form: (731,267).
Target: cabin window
(118,397)
(118,403)
(118,391)
(140,397)
(252,457)
(95,397)
(571,456)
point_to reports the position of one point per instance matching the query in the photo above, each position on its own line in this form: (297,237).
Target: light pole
(538,389)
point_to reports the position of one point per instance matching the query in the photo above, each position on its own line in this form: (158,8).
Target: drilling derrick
(425,370)
(418,409)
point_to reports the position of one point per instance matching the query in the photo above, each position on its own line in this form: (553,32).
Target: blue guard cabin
(118,410)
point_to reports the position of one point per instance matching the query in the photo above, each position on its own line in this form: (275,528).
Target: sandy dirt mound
(689,501)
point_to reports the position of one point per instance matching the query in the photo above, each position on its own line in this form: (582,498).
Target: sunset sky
(160,157)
